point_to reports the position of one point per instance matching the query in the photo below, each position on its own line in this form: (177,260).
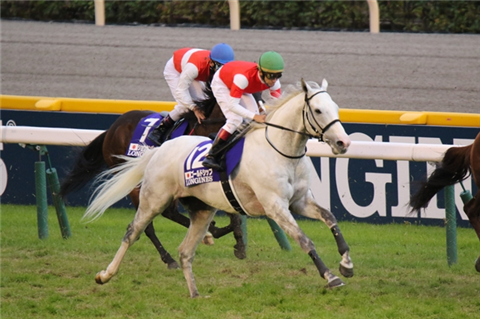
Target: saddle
(231,142)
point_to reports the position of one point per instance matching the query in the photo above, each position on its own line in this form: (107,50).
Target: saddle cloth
(140,142)
(195,173)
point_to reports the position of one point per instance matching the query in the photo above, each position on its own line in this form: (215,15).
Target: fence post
(234,8)
(374,16)
(279,235)
(244,230)
(99,12)
(58,202)
(41,198)
(451,225)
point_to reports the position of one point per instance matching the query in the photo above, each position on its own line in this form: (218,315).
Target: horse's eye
(318,111)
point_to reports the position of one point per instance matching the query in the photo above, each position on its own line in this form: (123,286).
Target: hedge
(397,16)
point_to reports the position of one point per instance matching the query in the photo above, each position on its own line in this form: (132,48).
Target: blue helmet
(222,53)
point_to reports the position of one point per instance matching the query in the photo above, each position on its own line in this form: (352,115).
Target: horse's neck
(289,115)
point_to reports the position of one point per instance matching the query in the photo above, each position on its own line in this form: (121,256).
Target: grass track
(400,272)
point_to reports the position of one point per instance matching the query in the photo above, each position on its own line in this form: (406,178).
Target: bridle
(206,122)
(307,113)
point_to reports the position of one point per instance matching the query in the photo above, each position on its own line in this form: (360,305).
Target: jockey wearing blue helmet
(186,74)
(221,54)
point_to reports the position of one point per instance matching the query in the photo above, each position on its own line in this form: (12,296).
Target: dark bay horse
(103,152)
(455,166)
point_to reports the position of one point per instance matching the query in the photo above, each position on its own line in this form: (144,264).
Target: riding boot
(156,134)
(211,160)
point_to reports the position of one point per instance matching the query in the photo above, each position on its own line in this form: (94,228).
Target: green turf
(400,272)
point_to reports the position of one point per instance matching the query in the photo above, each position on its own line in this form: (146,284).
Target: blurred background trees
(396,16)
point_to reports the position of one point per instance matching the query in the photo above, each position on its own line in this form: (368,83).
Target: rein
(305,118)
(207,121)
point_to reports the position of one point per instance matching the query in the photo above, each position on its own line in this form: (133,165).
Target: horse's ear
(324,85)
(305,86)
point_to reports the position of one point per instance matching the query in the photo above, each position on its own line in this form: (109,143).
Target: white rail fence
(357,150)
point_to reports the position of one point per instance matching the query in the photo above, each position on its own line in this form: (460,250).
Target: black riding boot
(211,160)
(156,135)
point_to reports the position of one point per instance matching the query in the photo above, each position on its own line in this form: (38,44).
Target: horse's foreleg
(173,214)
(286,221)
(346,264)
(218,232)
(235,226)
(198,227)
(164,255)
(309,208)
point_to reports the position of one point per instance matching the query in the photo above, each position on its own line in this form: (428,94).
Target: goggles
(272,76)
(216,65)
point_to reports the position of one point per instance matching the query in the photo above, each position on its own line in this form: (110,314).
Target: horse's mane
(206,104)
(272,104)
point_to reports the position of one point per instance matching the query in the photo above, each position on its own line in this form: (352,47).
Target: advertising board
(375,191)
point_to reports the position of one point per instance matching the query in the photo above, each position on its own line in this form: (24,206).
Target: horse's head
(321,118)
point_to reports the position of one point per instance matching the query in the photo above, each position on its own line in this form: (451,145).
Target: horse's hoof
(98,278)
(335,283)
(208,239)
(477,264)
(239,251)
(194,295)
(173,265)
(346,271)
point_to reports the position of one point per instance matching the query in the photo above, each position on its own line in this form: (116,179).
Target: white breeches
(172,76)
(224,100)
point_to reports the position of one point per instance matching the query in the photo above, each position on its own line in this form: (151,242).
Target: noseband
(306,112)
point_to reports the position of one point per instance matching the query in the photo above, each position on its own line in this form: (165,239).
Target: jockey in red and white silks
(233,86)
(186,73)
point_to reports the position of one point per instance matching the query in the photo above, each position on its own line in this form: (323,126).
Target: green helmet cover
(271,62)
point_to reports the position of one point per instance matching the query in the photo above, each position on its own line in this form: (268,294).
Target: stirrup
(156,136)
(211,162)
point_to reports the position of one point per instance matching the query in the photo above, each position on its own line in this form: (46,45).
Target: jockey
(186,73)
(233,86)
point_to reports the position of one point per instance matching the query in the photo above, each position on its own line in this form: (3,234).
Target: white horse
(272,179)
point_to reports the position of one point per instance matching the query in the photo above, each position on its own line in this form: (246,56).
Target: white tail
(126,177)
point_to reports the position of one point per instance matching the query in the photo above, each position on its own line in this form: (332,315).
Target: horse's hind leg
(130,237)
(472,210)
(164,255)
(199,221)
(309,208)
(143,217)
(150,232)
